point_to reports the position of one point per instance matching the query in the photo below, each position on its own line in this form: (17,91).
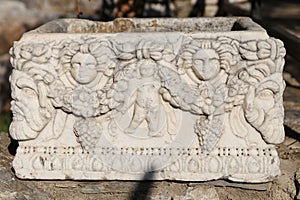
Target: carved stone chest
(162,99)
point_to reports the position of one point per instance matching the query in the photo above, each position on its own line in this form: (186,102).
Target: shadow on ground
(12,147)
(291,133)
(143,189)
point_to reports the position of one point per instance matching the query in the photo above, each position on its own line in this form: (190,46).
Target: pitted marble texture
(180,99)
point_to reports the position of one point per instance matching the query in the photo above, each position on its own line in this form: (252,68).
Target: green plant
(5,121)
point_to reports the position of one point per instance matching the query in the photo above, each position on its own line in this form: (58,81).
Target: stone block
(148,99)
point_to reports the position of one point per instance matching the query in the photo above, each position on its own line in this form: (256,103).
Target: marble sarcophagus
(162,99)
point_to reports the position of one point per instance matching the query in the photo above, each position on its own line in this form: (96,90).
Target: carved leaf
(126,56)
(263,45)
(263,53)
(248,55)
(59,123)
(250,46)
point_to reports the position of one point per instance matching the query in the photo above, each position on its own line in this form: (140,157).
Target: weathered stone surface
(297,182)
(247,186)
(15,19)
(12,187)
(285,187)
(200,193)
(148,99)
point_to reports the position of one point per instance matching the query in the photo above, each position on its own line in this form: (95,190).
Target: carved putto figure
(189,106)
(78,86)
(145,92)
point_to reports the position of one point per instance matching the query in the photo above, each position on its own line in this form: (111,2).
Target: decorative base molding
(236,164)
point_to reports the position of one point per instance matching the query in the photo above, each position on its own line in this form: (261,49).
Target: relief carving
(31,77)
(169,103)
(146,98)
(95,77)
(207,64)
(256,91)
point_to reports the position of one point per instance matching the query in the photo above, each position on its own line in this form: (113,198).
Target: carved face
(206,64)
(28,116)
(83,68)
(147,68)
(265,96)
(266,114)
